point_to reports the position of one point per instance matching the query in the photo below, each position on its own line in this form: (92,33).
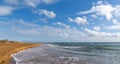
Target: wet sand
(12,61)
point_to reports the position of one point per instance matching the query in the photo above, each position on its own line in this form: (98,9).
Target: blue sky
(60,20)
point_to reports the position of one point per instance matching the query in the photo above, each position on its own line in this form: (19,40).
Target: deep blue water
(71,53)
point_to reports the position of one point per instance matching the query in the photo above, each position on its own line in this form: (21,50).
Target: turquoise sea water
(71,53)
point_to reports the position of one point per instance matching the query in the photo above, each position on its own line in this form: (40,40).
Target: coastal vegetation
(9,47)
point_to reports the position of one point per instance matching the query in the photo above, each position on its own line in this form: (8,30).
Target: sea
(71,53)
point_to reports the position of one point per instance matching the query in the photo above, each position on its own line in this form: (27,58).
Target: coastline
(10,47)
(12,61)
(64,53)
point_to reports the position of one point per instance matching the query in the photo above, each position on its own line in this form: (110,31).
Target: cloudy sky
(60,20)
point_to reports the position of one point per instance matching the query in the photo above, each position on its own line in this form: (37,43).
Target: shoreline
(22,49)
(8,48)
(12,61)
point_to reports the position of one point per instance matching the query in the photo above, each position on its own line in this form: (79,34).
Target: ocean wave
(51,45)
(54,45)
(71,47)
(59,54)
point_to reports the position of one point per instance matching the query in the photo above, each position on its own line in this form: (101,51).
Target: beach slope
(9,47)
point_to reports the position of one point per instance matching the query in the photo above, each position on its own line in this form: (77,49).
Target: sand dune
(9,47)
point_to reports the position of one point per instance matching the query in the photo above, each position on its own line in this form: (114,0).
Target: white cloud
(92,33)
(31,3)
(69,34)
(116,12)
(104,9)
(61,24)
(49,1)
(26,30)
(49,14)
(115,21)
(114,27)
(64,35)
(97,28)
(34,3)
(78,20)
(6,10)
(94,16)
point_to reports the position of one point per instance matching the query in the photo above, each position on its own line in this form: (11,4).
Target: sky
(60,20)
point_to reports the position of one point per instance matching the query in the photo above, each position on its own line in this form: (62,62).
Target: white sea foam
(27,54)
(71,47)
(54,54)
(51,45)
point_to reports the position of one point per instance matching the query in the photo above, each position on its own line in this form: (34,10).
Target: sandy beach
(9,47)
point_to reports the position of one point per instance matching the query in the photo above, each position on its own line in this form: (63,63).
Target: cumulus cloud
(61,24)
(49,14)
(69,34)
(78,20)
(6,10)
(92,33)
(115,21)
(97,28)
(104,9)
(50,32)
(34,3)
(94,16)
(65,35)
(114,27)
(116,12)
(25,30)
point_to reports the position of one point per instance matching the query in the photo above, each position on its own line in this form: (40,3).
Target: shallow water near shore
(70,53)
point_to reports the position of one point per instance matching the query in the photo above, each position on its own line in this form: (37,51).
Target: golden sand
(9,47)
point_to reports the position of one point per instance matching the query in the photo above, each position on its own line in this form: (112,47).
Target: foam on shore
(46,54)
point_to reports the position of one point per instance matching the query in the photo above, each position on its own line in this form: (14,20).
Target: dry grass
(9,47)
